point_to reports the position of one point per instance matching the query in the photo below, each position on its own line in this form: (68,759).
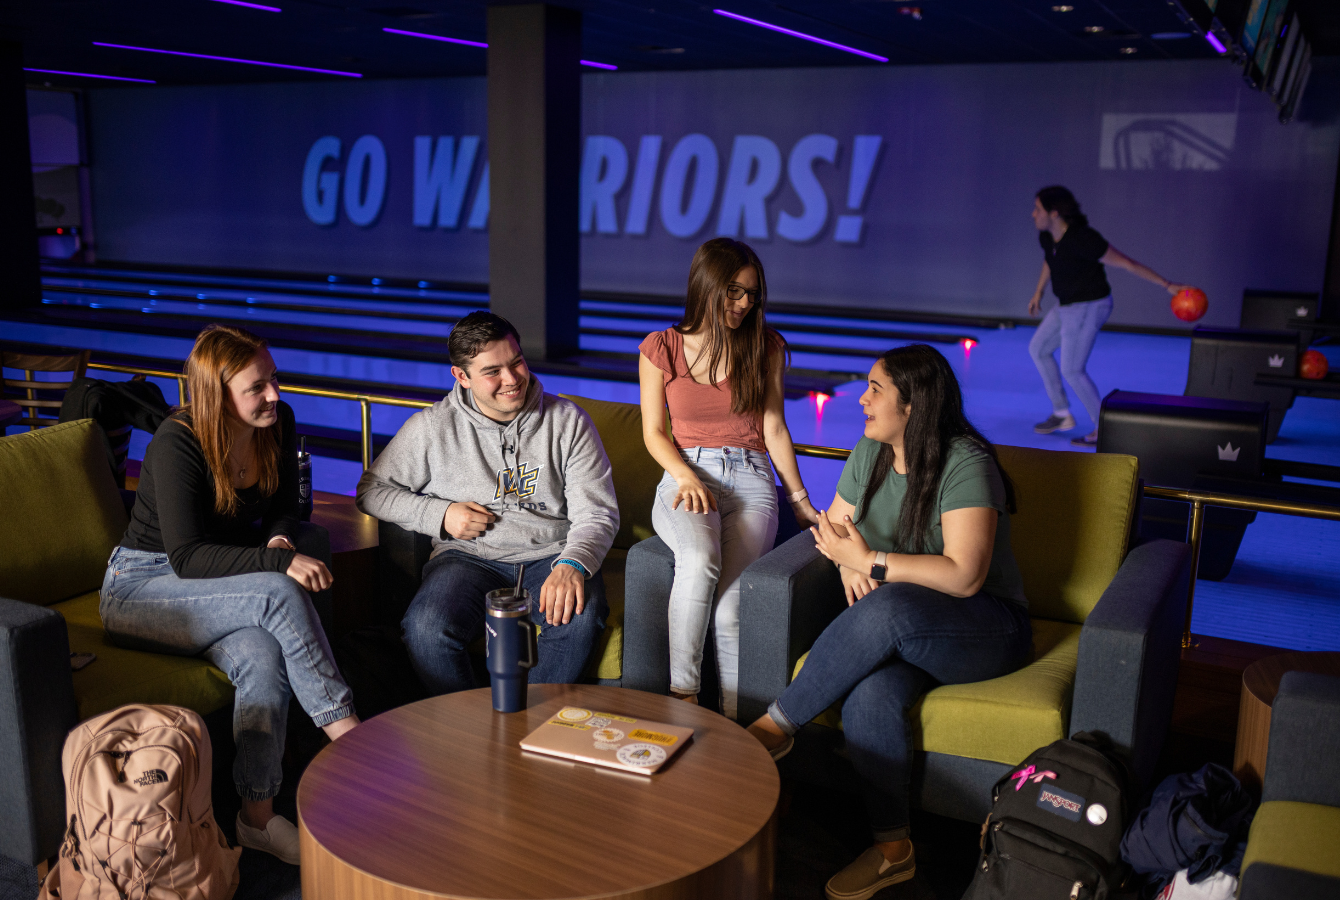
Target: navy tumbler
(511,648)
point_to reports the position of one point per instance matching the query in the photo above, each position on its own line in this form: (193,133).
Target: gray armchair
(1107,627)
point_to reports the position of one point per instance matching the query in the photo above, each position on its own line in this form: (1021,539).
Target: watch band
(879,570)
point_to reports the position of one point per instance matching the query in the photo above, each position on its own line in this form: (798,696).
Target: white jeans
(711,553)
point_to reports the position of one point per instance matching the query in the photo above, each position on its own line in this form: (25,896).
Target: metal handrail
(1198,499)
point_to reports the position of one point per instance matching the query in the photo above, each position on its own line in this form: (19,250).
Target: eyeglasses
(735,292)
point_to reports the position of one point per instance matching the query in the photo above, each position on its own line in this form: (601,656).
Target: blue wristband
(576,565)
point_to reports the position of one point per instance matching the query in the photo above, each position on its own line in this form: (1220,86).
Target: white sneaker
(279,838)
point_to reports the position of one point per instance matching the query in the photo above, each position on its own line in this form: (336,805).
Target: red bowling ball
(1189,304)
(1313,365)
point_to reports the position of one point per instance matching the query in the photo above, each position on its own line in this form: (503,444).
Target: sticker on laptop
(1063,803)
(641,755)
(571,715)
(599,721)
(656,737)
(607,736)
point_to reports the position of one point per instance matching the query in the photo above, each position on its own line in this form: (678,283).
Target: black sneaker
(1088,440)
(1055,423)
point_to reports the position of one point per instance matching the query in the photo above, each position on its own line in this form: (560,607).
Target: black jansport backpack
(1055,826)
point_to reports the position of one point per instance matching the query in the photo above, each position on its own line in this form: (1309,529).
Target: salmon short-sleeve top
(700,414)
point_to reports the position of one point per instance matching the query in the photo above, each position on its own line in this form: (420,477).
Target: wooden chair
(35,396)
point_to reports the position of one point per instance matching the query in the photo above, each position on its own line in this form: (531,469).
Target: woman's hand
(848,549)
(856,584)
(311,573)
(1176,289)
(281,542)
(695,497)
(806,515)
(1035,305)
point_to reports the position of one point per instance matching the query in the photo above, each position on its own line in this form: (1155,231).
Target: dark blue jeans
(447,616)
(878,657)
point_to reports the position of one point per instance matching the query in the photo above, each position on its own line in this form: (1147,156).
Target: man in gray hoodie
(500,474)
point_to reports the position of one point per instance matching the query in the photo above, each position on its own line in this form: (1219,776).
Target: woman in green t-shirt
(920,531)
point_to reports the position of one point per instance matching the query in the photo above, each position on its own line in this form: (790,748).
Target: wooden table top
(1262,678)
(437,796)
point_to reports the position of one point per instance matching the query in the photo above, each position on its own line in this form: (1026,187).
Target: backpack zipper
(1074,890)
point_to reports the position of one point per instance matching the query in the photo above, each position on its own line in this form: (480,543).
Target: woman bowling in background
(720,373)
(1073,258)
(920,532)
(209,566)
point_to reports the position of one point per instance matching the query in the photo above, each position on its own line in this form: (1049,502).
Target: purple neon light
(436,37)
(252,5)
(249,62)
(452,40)
(800,34)
(91,75)
(1215,43)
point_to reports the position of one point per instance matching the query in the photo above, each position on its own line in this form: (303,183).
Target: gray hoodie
(544,475)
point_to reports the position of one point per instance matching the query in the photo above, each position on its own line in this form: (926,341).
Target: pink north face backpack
(141,824)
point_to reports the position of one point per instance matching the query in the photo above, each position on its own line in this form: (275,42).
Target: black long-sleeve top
(174,508)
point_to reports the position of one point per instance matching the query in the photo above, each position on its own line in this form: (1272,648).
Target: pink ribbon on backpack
(1024,774)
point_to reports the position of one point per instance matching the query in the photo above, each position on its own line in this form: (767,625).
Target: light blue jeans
(260,629)
(711,553)
(1073,328)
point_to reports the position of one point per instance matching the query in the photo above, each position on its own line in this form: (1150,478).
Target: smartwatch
(879,570)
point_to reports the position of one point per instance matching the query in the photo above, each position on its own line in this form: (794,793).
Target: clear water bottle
(304,481)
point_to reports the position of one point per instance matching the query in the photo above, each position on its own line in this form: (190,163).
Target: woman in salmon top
(720,373)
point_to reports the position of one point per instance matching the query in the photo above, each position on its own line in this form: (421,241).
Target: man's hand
(466,521)
(563,595)
(856,584)
(311,573)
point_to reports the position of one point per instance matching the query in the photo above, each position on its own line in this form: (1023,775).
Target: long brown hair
(744,348)
(220,352)
(924,379)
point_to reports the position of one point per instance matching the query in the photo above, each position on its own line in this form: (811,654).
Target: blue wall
(896,187)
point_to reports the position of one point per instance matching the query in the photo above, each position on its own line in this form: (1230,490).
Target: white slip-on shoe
(869,875)
(279,838)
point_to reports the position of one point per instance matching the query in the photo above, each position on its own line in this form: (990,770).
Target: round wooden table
(1260,684)
(436,799)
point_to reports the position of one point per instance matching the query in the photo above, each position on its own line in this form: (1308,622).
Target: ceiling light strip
(91,75)
(251,5)
(436,37)
(800,34)
(452,40)
(248,62)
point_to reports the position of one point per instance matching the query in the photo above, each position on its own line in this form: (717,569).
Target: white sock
(1061,413)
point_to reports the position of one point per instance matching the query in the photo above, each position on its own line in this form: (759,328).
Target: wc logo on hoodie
(519,481)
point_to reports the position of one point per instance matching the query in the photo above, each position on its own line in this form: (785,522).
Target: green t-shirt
(970,479)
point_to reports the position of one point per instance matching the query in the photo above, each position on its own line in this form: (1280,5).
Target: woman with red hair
(209,566)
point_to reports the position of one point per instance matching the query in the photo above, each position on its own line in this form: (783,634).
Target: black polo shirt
(1077,275)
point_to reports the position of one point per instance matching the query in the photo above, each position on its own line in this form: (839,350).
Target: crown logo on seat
(1301,312)
(1228,452)
(1276,361)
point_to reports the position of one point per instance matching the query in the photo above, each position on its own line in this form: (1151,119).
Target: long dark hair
(1058,199)
(746,347)
(924,379)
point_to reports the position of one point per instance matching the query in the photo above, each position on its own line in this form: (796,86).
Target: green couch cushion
(636,473)
(1296,835)
(62,512)
(119,676)
(1072,526)
(608,654)
(1004,719)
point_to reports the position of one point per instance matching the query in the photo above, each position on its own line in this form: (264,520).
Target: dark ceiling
(635,35)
